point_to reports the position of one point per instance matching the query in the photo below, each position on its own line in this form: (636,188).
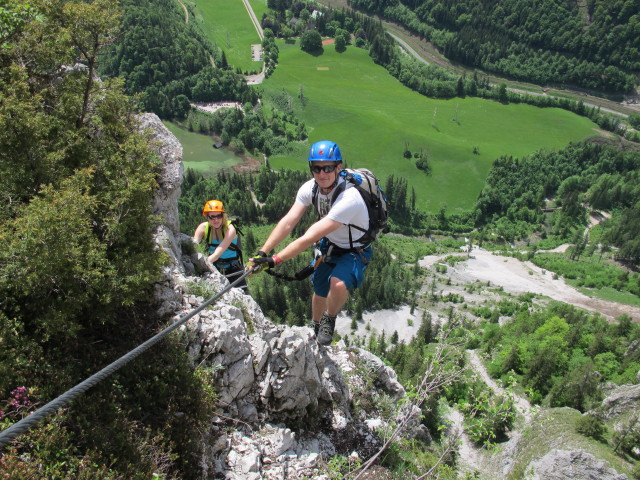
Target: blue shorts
(348,267)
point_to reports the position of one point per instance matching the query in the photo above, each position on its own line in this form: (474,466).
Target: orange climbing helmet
(212,206)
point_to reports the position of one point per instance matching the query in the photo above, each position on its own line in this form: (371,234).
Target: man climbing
(344,259)
(221,238)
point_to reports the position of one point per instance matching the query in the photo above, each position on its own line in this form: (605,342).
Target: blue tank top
(212,244)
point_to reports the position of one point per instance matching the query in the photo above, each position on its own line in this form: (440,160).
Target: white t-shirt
(349,208)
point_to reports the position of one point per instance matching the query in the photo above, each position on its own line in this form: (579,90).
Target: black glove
(266,262)
(259,264)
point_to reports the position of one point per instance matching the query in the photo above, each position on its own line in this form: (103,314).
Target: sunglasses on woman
(325,169)
(213,217)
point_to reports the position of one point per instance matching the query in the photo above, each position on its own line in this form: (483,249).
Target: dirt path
(522,404)
(256,202)
(186,12)
(594,219)
(492,464)
(469,459)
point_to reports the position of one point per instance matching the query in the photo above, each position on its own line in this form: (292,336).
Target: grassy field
(372,116)
(608,293)
(227,24)
(198,151)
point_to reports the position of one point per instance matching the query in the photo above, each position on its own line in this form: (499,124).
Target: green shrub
(311,41)
(591,426)
(488,417)
(484,312)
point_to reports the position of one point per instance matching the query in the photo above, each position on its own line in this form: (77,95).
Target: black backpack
(367,184)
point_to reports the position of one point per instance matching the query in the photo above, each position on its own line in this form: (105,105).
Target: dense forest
(594,46)
(170,62)
(583,176)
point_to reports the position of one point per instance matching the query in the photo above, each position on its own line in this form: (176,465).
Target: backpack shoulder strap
(314,196)
(337,191)
(235,221)
(238,246)
(207,233)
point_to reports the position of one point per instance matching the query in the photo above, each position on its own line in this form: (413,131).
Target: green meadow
(372,116)
(198,152)
(227,24)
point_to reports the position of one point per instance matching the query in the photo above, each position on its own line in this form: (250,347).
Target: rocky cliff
(285,404)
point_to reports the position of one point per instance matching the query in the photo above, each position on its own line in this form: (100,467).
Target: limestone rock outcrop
(621,400)
(285,404)
(570,465)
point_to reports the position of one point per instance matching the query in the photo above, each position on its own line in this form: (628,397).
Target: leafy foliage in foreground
(77,260)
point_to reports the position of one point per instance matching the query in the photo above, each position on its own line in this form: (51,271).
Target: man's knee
(337,285)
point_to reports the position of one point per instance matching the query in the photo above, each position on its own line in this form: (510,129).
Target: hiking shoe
(316,327)
(326,327)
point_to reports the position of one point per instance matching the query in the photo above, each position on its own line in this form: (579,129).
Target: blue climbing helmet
(325,150)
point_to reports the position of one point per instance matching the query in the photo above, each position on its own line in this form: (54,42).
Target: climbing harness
(324,251)
(300,275)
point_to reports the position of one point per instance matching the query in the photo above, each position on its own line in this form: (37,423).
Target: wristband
(276,259)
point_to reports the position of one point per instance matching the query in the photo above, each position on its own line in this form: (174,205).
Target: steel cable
(35,417)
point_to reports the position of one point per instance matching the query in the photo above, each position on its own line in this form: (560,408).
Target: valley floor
(499,274)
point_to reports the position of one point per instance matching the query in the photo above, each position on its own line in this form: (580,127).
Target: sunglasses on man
(213,217)
(325,168)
